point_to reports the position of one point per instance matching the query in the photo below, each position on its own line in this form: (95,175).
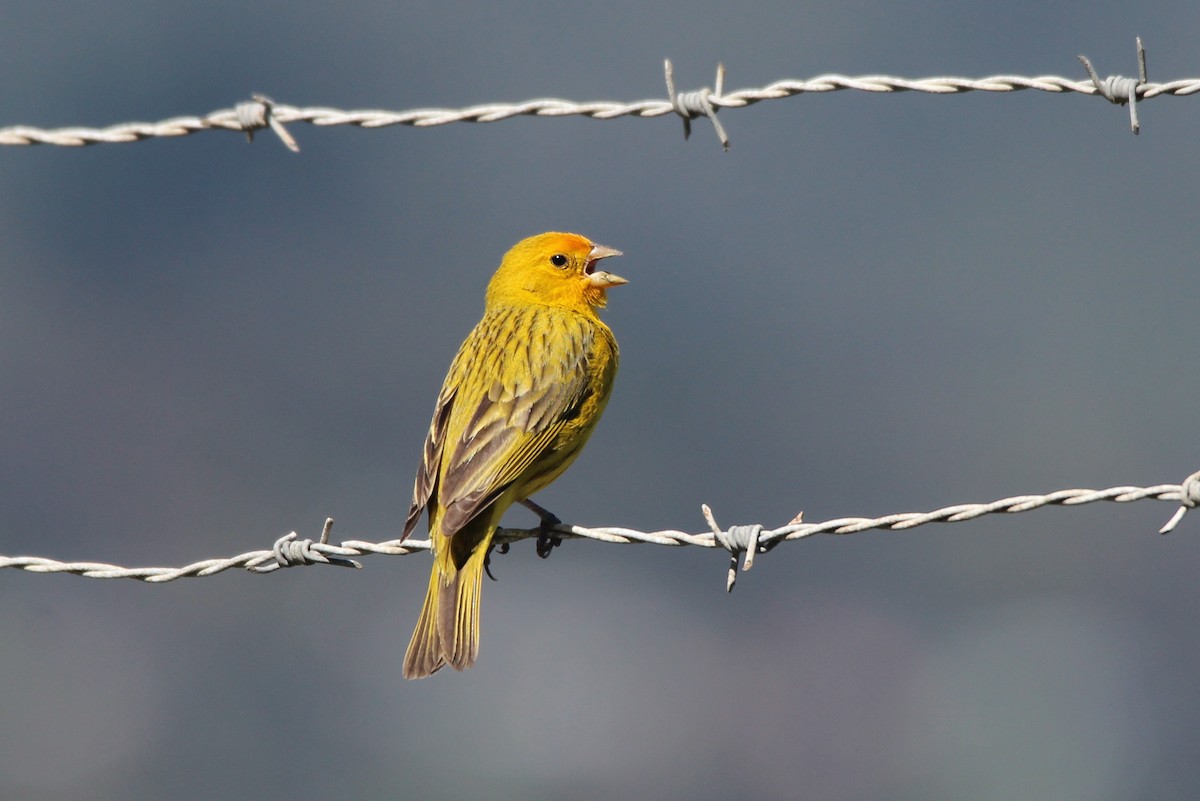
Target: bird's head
(554,269)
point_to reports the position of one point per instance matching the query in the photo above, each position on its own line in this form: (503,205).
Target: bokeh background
(870,304)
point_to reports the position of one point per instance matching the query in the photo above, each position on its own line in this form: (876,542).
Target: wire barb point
(258,113)
(1120,90)
(1189,496)
(736,540)
(290,552)
(691,105)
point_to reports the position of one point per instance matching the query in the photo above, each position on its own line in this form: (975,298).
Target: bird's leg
(547,540)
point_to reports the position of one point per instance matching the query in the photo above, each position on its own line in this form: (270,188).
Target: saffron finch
(520,400)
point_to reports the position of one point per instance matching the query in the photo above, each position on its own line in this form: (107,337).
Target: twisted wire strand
(238,119)
(736,539)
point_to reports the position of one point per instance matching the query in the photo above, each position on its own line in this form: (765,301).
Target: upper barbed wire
(261,112)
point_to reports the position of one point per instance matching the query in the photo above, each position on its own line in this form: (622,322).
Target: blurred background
(870,304)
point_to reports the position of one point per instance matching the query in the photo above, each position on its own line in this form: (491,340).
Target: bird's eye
(558,260)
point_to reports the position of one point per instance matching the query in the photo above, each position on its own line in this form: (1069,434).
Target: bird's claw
(547,541)
(487,558)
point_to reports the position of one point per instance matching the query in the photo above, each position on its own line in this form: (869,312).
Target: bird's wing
(431,457)
(517,380)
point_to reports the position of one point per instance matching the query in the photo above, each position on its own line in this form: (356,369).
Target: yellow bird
(522,397)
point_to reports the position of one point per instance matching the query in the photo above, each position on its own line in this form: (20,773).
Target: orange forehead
(556,241)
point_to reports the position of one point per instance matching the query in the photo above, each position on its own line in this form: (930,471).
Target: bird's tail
(447,632)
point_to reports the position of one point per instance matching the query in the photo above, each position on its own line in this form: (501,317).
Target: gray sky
(870,304)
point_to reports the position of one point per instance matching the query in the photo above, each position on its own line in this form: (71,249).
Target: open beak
(600,278)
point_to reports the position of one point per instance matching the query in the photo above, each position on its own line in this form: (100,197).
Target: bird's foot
(547,539)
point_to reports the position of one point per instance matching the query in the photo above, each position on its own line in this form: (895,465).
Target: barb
(736,540)
(691,105)
(261,112)
(747,539)
(1189,496)
(1120,90)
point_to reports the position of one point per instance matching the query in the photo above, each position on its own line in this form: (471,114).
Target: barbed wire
(262,112)
(290,551)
